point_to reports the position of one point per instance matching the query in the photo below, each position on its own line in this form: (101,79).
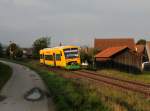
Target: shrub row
(72,96)
(5,74)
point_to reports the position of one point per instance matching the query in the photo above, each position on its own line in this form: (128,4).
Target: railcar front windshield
(71,53)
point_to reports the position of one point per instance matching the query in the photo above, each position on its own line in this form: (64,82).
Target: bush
(5,74)
(39,44)
(70,96)
(14,51)
(1,50)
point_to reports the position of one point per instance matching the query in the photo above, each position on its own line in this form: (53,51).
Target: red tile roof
(115,42)
(107,53)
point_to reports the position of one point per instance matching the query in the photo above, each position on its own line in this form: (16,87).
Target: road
(23,79)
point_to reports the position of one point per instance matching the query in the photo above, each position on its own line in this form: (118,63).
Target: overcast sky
(75,22)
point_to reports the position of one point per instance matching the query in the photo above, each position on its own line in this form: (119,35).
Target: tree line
(13,50)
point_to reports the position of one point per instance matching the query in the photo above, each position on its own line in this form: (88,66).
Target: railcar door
(54,58)
(43,56)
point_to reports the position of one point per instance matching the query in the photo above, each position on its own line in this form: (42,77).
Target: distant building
(120,57)
(27,52)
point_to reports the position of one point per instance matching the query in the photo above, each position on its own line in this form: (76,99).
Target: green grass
(84,95)
(5,74)
(70,96)
(67,95)
(118,99)
(144,77)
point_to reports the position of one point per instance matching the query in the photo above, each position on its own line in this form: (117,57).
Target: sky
(73,22)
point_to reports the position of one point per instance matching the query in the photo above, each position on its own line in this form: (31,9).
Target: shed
(120,57)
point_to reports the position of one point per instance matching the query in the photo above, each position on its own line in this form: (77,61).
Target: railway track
(117,82)
(125,84)
(119,79)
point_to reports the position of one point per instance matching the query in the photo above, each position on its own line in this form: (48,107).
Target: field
(115,98)
(144,77)
(67,95)
(5,74)
(85,95)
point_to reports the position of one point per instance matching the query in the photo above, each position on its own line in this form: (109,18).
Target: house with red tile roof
(121,53)
(108,53)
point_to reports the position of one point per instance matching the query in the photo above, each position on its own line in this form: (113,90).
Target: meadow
(85,95)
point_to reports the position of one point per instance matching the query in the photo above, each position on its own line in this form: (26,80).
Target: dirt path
(22,80)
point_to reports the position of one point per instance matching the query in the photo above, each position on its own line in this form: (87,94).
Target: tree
(18,53)
(87,54)
(39,44)
(141,42)
(83,56)
(1,50)
(14,51)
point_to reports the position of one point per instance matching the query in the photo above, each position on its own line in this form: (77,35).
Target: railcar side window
(74,48)
(58,57)
(48,57)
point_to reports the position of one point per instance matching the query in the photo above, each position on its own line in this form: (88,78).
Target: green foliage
(14,51)
(18,52)
(84,56)
(39,44)
(90,96)
(141,42)
(1,50)
(87,54)
(5,74)
(70,96)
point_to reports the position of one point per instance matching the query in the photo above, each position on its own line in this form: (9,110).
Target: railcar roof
(59,47)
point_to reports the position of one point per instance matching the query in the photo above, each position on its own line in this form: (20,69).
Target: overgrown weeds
(5,74)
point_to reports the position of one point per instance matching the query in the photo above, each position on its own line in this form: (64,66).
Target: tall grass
(143,77)
(119,99)
(5,74)
(85,95)
(67,95)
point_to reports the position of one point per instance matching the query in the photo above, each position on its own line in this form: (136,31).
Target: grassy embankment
(119,99)
(143,77)
(67,95)
(5,74)
(84,95)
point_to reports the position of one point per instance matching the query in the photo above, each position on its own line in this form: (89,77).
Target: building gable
(115,42)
